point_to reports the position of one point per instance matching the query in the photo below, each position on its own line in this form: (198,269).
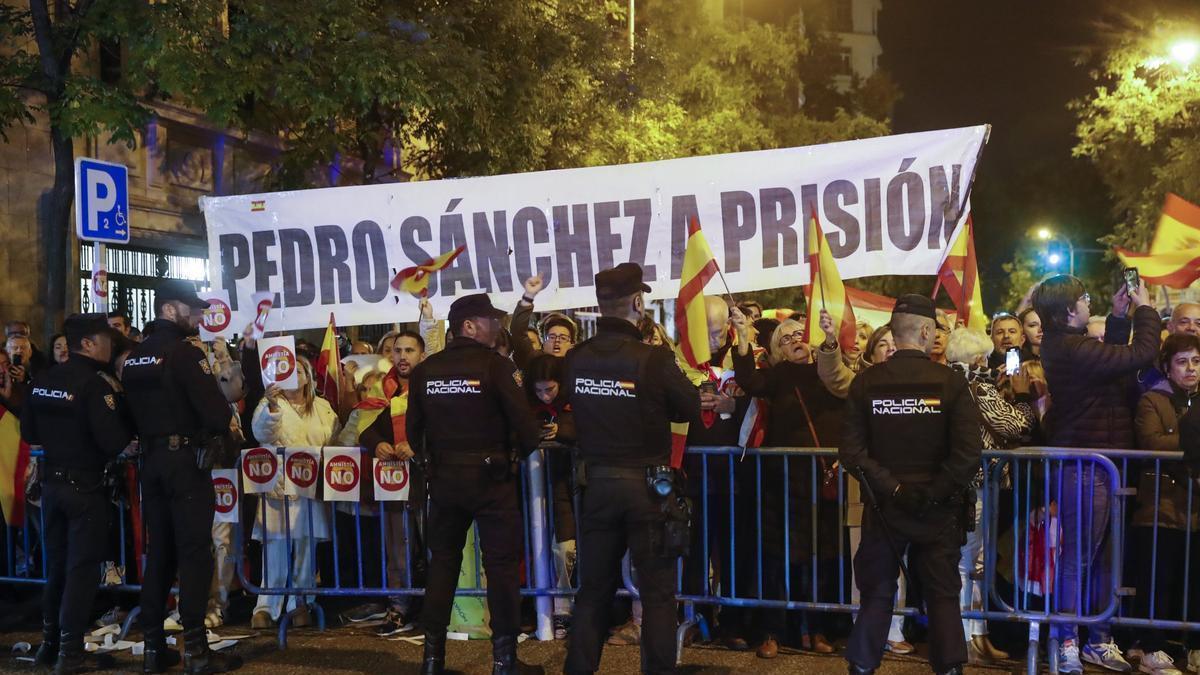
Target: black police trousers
(619,514)
(178,505)
(932,542)
(459,495)
(77,522)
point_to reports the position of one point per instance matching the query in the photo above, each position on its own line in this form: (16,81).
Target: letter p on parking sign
(101,201)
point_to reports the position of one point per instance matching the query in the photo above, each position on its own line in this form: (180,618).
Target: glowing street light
(1044,234)
(1185,52)
(1054,259)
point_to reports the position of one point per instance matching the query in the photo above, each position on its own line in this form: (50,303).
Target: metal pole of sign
(99,283)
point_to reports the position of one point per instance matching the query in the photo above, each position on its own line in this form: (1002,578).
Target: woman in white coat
(294,418)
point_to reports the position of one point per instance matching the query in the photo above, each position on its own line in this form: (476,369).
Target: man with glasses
(558,332)
(465,403)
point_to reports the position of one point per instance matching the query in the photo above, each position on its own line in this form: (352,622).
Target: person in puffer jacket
(1089,382)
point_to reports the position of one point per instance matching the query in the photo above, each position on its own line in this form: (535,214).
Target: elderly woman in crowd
(803,413)
(1162,504)
(1004,425)
(836,370)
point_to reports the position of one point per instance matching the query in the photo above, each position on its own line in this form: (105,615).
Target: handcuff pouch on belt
(671,536)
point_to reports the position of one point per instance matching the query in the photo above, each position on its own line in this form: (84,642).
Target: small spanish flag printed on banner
(258,205)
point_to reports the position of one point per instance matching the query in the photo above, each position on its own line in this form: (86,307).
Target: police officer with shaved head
(625,395)
(77,413)
(466,412)
(911,435)
(182,419)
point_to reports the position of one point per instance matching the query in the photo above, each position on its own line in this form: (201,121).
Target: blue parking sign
(101,201)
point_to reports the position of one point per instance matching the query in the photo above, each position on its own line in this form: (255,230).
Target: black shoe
(158,657)
(856,670)
(198,659)
(955,670)
(433,661)
(47,652)
(504,658)
(395,624)
(71,656)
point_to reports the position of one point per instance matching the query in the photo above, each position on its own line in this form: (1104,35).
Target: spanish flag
(825,287)
(691,317)
(14,460)
(1174,257)
(328,369)
(873,308)
(415,280)
(959,273)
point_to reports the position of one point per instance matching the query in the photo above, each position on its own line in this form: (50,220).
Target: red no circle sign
(278,362)
(259,465)
(301,469)
(217,316)
(227,497)
(391,476)
(341,473)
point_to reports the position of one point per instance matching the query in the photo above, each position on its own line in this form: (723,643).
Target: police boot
(856,670)
(953,670)
(47,652)
(158,657)
(71,656)
(433,661)
(504,657)
(198,659)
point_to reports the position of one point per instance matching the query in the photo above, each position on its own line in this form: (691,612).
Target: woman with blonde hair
(295,418)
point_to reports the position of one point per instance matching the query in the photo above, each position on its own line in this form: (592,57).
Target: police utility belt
(206,450)
(671,535)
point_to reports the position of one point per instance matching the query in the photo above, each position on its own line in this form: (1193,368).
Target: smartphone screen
(708,387)
(1012,361)
(1132,280)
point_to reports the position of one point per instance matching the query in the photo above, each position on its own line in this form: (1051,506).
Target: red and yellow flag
(826,291)
(415,280)
(873,308)
(329,367)
(691,317)
(14,460)
(959,273)
(1174,257)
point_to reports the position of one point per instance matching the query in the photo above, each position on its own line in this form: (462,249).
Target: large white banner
(887,206)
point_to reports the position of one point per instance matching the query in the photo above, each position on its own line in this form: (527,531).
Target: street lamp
(1054,257)
(1184,52)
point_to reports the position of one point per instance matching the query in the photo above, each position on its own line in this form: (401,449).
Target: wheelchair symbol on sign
(119,221)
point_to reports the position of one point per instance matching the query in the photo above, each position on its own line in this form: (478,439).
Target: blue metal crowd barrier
(774,532)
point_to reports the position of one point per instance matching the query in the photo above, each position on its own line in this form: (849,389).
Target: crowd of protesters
(774,527)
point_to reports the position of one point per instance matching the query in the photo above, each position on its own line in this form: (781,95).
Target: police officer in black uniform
(181,416)
(465,407)
(77,413)
(625,394)
(912,431)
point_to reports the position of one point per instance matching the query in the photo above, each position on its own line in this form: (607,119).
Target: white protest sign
(260,470)
(217,318)
(301,468)
(391,480)
(887,205)
(277,359)
(342,469)
(260,304)
(225,486)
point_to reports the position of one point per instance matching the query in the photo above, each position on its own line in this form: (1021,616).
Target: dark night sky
(1007,63)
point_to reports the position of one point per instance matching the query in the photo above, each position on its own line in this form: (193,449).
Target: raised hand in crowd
(1019,382)
(533,286)
(426,308)
(826,323)
(1141,296)
(274,394)
(248,341)
(741,323)
(1121,302)
(16,374)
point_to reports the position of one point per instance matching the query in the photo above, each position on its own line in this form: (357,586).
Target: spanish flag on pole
(691,318)
(1174,257)
(14,459)
(826,291)
(328,369)
(959,273)
(415,280)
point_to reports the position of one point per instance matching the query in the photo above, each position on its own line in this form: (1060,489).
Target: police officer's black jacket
(77,414)
(467,400)
(171,388)
(912,420)
(625,394)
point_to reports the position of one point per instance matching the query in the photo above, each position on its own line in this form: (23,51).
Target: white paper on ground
(458,636)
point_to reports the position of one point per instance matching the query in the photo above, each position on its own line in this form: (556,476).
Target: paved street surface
(350,650)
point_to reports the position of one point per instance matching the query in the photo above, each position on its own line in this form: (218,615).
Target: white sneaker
(1068,658)
(1106,655)
(1194,660)
(171,623)
(1158,663)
